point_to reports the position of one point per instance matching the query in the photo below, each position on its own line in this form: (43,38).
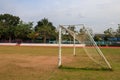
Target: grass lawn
(40,63)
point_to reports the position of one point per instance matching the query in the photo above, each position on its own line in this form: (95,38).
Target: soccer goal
(83,36)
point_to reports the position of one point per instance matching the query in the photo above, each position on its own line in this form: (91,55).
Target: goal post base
(60,66)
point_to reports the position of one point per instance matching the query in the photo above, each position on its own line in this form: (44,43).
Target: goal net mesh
(84,36)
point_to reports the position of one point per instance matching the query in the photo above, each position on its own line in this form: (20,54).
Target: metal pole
(74,46)
(59,55)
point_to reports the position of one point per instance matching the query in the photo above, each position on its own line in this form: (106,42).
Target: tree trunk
(44,38)
(10,39)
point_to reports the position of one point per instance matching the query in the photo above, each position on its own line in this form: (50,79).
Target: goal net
(82,35)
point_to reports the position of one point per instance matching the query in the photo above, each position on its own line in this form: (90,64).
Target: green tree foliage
(72,28)
(109,32)
(66,35)
(3,30)
(33,35)
(22,30)
(98,38)
(82,30)
(46,30)
(8,23)
(118,31)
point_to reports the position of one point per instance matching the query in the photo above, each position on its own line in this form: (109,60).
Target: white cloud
(96,13)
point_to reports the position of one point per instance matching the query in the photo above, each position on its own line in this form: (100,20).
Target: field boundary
(51,45)
(42,45)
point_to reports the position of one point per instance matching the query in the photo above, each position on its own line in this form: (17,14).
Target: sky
(96,14)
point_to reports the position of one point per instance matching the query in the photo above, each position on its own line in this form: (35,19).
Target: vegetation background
(13,29)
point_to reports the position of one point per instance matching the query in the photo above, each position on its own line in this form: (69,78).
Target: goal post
(82,36)
(74,53)
(59,55)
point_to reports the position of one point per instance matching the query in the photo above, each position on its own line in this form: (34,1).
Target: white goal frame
(60,47)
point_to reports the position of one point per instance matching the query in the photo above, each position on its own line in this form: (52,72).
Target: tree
(2,30)
(45,29)
(72,28)
(98,37)
(7,24)
(118,31)
(33,35)
(82,30)
(22,30)
(109,32)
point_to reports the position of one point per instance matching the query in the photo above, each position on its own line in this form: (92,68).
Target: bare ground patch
(37,62)
(28,67)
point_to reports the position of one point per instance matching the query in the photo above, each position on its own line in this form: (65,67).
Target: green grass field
(40,63)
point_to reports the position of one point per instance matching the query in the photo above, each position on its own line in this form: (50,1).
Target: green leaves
(9,20)
(22,30)
(45,29)
(11,28)
(7,24)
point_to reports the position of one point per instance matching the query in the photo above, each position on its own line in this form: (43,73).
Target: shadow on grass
(86,68)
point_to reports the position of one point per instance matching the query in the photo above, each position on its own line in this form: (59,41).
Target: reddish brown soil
(37,62)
